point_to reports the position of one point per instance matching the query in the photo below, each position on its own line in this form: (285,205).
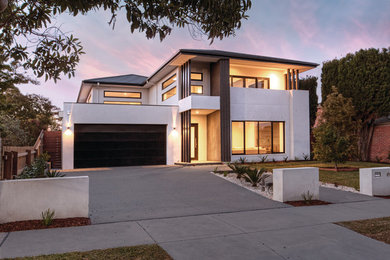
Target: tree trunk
(365,139)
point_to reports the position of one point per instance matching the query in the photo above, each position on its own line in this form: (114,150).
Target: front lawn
(144,252)
(350,179)
(378,228)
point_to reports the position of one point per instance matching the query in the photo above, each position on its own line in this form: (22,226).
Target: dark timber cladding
(225,110)
(292,79)
(106,145)
(185,136)
(185,71)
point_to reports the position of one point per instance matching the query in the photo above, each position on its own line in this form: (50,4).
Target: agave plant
(238,169)
(53,174)
(254,176)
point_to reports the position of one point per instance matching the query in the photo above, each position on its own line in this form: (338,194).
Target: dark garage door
(119,145)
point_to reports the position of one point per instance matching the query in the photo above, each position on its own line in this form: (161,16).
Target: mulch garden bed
(383,197)
(340,169)
(301,203)
(37,224)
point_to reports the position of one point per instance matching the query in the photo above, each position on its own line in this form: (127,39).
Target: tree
(29,37)
(22,117)
(310,83)
(365,78)
(335,136)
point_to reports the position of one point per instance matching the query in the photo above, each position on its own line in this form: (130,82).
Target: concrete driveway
(150,192)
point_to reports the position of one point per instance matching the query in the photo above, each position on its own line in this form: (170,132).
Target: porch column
(293,80)
(288,81)
(297,79)
(186,136)
(226,149)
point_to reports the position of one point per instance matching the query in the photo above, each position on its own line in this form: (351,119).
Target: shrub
(378,159)
(307,197)
(273,160)
(47,217)
(285,159)
(54,174)
(263,158)
(38,169)
(242,160)
(238,169)
(254,176)
(306,157)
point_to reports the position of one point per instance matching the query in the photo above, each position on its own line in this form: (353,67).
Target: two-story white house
(199,106)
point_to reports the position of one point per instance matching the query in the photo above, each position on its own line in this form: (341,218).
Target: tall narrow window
(169,81)
(169,93)
(278,137)
(237,137)
(251,138)
(196,76)
(265,137)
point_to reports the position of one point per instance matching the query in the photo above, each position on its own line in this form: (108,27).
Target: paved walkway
(279,232)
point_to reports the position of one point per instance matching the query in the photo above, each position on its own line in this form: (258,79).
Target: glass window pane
(122,94)
(264,137)
(237,137)
(278,137)
(250,83)
(169,93)
(196,76)
(169,81)
(237,82)
(251,138)
(263,83)
(196,89)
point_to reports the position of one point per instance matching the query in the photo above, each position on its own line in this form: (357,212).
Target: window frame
(258,140)
(201,76)
(171,77)
(162,95)
(248,77)
(119,91)
(131,103)
(195,92)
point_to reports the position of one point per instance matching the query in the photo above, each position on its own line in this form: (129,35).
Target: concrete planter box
(290,183)
(26,199)
(375,181)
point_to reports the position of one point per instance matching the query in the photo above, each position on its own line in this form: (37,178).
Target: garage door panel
(119,145)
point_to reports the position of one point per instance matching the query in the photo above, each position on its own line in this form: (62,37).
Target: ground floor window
(257,137)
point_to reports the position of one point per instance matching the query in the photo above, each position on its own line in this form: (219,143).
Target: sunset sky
(308,30)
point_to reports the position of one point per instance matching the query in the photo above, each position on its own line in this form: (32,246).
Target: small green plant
(378,159)
(53,174)
(47,217)
(254,176)
(285,159)
(225,173)
(307,197)
(238,169)
(242,160)
(336,184)
(306,157)
(273,160)
(263,158)
(215,170)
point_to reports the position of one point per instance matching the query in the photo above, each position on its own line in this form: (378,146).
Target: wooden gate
(52,145)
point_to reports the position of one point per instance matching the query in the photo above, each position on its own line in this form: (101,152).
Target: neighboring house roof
(129,79)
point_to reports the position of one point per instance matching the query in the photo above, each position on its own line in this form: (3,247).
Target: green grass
(143,252)
(378,228)
(350,179)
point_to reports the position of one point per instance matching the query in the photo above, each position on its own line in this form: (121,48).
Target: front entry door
(194,142)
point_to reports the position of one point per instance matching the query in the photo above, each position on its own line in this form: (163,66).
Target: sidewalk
(282,233)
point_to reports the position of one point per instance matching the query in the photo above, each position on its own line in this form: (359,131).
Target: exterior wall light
(68,132)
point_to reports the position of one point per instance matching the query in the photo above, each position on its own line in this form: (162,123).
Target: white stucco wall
(290,106)
(82,113)
(27,199)
(375,181)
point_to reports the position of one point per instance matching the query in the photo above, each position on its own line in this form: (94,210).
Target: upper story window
(169,93)
(122,103)
(122,94)
(249,82)
(196,76)
(169,81)
(196,89)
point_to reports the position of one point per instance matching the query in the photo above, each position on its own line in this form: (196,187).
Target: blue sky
(308,30)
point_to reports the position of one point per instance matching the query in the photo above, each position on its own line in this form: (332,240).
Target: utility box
(375,181)
(289,184)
